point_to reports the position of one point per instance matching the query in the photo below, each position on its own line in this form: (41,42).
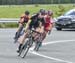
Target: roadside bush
(61,10)
(36,5)
(8,25)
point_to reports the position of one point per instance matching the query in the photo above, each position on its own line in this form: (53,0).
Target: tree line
(20,2)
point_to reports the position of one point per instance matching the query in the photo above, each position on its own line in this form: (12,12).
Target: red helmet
(50,13)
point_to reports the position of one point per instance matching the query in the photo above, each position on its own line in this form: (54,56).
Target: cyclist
(48,22)
(23,20)
(36,22)
(42,22)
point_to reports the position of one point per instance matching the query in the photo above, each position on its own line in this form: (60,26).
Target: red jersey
(48,20)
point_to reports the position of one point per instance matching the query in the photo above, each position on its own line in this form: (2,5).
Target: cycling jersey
(26,19)
(42,20)
(48,22)
(35,20)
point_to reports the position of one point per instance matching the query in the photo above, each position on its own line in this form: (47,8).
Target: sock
(20,46)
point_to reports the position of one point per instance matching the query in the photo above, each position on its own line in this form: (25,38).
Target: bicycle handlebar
(36,32)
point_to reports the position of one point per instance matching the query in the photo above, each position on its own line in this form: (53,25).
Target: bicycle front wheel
(23,48)
(29,44)
(25,52)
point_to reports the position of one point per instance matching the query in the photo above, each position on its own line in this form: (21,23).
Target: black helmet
(42,11)
(27,12)
(50,12)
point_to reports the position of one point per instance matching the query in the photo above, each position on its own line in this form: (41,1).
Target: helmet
(50,13)
(46,12)
(27,12)
(42,11)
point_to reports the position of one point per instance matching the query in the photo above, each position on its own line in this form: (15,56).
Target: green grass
(8,25)
(14,11)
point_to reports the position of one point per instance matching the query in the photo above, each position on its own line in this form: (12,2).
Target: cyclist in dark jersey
(36,22)
(48,24)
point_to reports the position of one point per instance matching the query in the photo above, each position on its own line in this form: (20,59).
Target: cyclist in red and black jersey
(23,20)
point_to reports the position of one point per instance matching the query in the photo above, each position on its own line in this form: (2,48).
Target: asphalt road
(59,47)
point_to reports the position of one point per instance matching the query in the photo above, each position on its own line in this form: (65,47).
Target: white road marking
(33,52)
(60,41)
(52,42)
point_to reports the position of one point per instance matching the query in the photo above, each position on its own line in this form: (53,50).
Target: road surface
(59,47)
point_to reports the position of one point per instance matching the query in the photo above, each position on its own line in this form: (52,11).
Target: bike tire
(29,44)
(23,48)
(37,46)
(25,52)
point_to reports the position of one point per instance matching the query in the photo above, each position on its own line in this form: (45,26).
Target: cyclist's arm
(42,29)
(27,25)
(21,18)
(51,20)
(51,23)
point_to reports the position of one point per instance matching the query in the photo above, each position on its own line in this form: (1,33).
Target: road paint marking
(52,42)
(33,52)
(59,41)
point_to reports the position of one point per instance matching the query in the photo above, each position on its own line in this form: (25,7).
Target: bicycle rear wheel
(37,46)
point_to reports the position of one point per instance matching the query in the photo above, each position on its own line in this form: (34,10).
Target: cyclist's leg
(35,35)
(38,41)
(39,29)
(20,25)
(21,40)
(46,29)
(50,26)
(44,35)
(41,35)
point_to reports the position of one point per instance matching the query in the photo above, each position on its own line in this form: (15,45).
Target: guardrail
(14,20)
(9,20)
